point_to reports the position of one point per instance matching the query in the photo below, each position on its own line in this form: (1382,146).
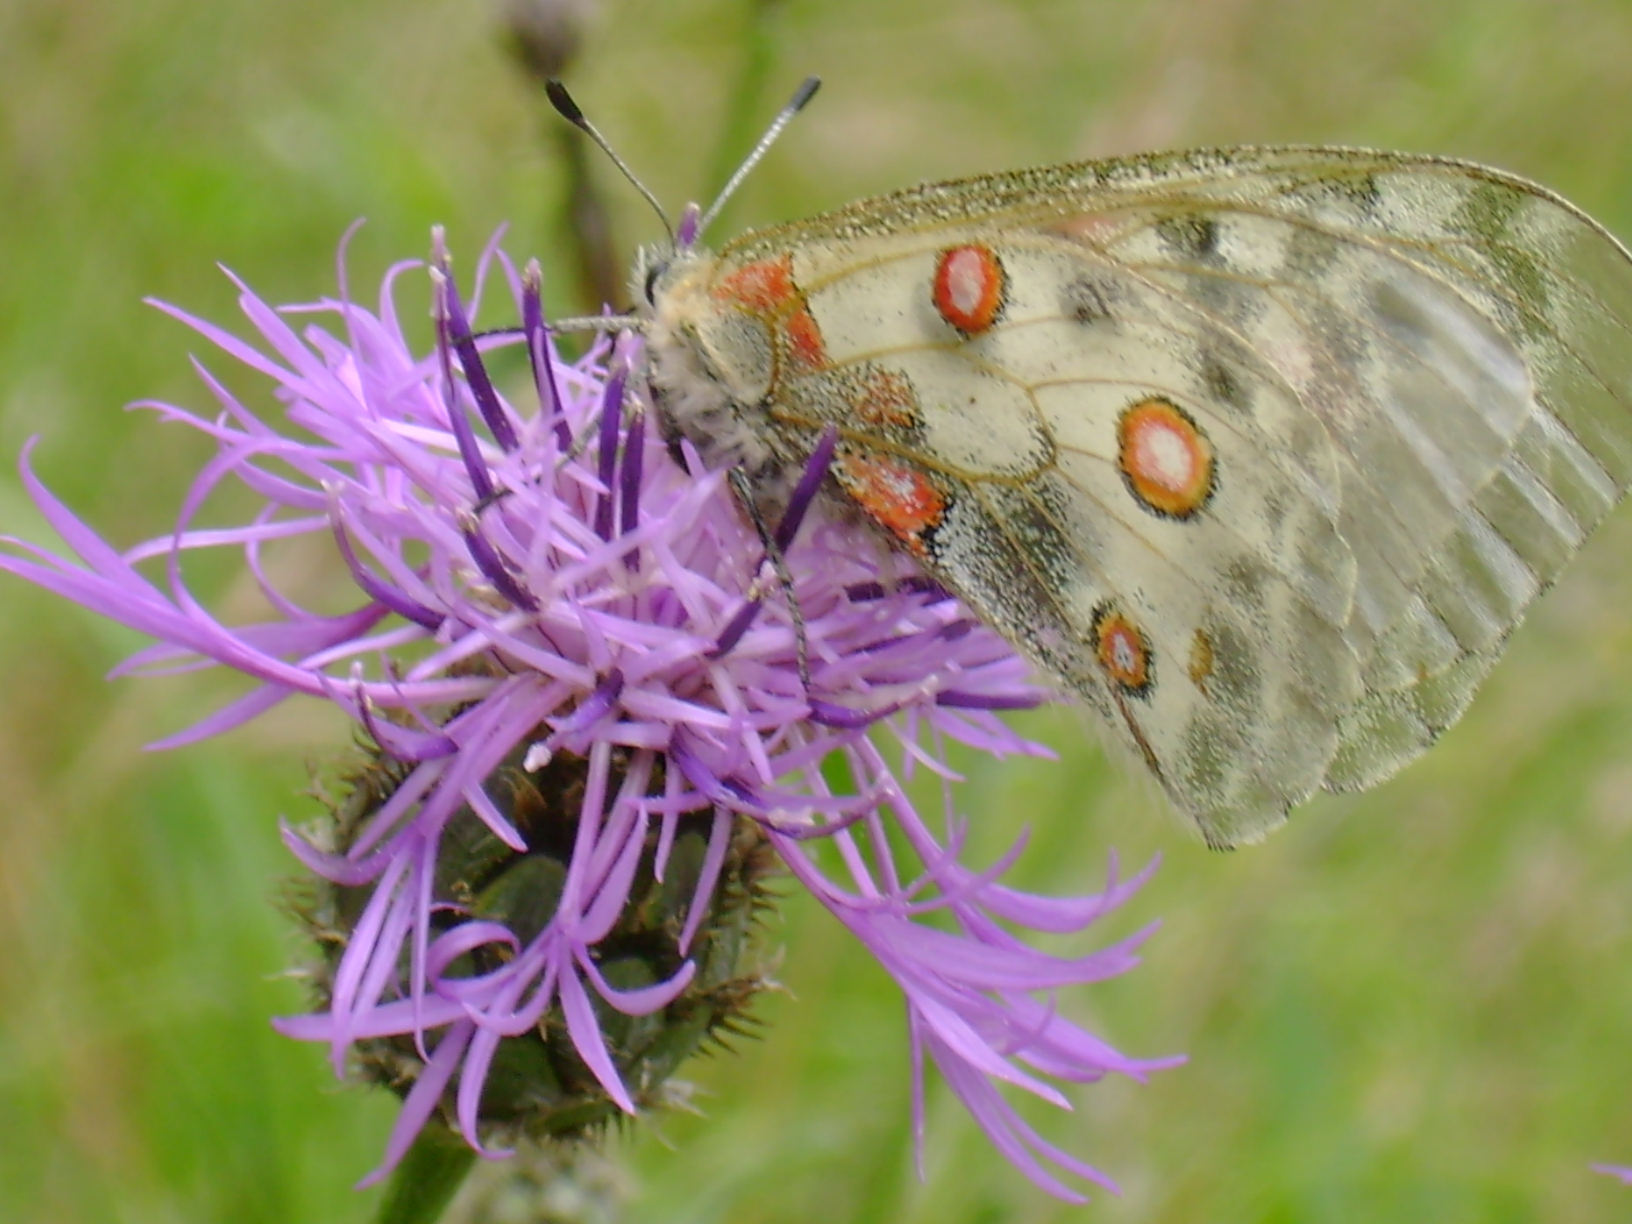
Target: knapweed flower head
(592,712)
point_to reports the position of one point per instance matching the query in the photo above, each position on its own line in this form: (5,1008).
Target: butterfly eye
(652,273)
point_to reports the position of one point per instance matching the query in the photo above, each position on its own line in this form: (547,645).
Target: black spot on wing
(1035,518)
(1188,235)
(1485,211)
(1249,584)
(1220,380)
(1086,300)
(1311,252)
(1006,557)
(1352,198)
(1487,214)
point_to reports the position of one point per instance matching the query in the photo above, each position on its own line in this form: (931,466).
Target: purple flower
(549,583)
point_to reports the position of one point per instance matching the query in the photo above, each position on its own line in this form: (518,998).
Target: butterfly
(1260,453)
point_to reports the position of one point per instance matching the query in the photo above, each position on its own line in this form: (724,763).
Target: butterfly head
(711,364)
(660,265)
(709,346)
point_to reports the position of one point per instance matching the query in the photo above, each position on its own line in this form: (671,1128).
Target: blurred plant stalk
(545,37)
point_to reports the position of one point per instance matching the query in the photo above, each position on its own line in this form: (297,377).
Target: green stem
(428,1177)
(588,224)
(743,119)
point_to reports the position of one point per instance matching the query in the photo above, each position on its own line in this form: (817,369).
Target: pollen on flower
(590,733)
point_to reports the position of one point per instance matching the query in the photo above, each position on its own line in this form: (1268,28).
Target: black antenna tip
(563,103)
(805,93)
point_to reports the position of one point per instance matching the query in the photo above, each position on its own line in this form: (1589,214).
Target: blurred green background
(1411,1006)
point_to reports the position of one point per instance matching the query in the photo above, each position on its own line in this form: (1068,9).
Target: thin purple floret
(611,428)
(539,355)
(470,452)
(738,625)
(634,451)
(804,493)
(383,592)
(685,235)
(494,569)
(463,343)
(953,699)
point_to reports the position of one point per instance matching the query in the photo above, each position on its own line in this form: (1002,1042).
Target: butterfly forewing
(1262,453)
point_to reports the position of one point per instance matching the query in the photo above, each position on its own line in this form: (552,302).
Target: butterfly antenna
(568,110)
(802,95)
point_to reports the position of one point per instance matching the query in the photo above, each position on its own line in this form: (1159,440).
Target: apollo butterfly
(1261,453)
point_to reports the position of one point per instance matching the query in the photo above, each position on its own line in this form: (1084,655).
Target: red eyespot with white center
(1165,459)
(1122,651)
(970,285)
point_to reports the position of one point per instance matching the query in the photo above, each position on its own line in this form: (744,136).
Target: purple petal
(989,701)
(735,628)
(539,354)
(472,1079)
(647,999)
(495,571)
(719,841)
(381,591)
(470,451)
(804,493)
(470,359)
(634,448)
(585,1032)
(421,1101)
(611,423)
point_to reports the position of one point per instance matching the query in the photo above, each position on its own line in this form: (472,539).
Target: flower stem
(742,116)
(429,1176)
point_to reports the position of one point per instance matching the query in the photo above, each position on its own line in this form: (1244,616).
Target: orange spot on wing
(1165,459)
(969,288)
(760,288)
(887,398)
(805,340)
(766,289)
(1202,660)
(895,495)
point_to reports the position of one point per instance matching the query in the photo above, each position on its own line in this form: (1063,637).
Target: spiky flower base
(538,1085)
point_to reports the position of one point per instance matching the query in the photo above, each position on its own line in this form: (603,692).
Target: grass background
(1412,1005)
